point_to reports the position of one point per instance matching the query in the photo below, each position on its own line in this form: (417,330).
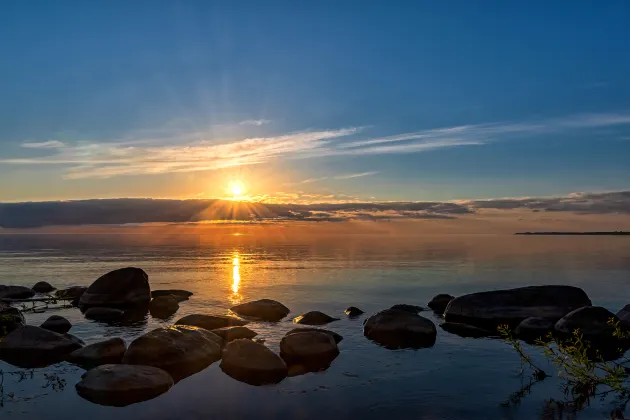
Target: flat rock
(15,292)
(309,348)
(43,287)
(122,385)
(333,334)
(125,288)
(252,363)
(103,314)
(439,303)
(400,329)
(180,350)
(29,346)
(163,306)
(531,329)
(106,352)
(263,309)
(180,295)
(211,322)
(314,318)
(468,331)
(353,311)
(57,324)
(234,333)
(10,319)
(490,309)
(408,308)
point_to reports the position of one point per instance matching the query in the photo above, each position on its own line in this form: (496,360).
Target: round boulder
(252,363)
(263,309)
(353,311)
(43,287)
(533,328)
(234,333)
(309,348)
(333,334)
(465,330)
(10,318)
(211,322)
(125,287)
(400,329)
(29,347)
(439,303)
(15,292)
(314,318)
(57,324)
(122,385)
(103,314)
(591,321)
(106,352)
(163,306)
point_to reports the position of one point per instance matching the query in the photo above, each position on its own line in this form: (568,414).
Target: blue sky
(374,100)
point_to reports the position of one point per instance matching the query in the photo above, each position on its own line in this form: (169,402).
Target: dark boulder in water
(311,350)
(314,318)
(15,292)
(57,324)
(414,309)
(353,311)
(394,329)
(234,333)
(122,385)
(533,328)
(31,347)
(465,330)
(211,322)
(163,306)
(43,287)
(263,309)
(105,352)
(124,288)
(333,334)
(104,314)
(439,303)
(180,295)
(73,293)
(252,363)
(10,319)
(490,309)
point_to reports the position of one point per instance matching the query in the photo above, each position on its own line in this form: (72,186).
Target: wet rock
(264,309)
(43,287)
(103,314)
(211,322)
(29,346)
(125,288)
(333,334)
(533,328)
(490,309)
(73,293)
(122,385)
(179,295)
(314,318)
(624,316)
(234,333)
(353,311)
(253,363)
(15,292)
(10,319)
(592,321)
(465,330)
(180,350)
(57,324)
(439,303)
(400,329)
(408,308)
(163,306)
(106,352)
(309,351)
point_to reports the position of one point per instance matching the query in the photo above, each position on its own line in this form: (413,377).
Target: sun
(237,189)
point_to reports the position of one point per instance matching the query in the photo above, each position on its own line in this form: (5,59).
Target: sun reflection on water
(236,273)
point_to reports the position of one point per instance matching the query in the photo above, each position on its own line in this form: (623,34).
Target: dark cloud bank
(123,211)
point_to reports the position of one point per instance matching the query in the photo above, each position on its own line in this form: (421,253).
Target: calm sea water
(456,379)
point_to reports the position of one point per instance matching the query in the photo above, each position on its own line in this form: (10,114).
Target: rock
(15,292)
(311,350)
(125,288)
(211,322)
(122,385)
(42,287)
(75,339)
(74,293)
(29,346)
(264,309)
(353,311)
(465,330)
(408,308)
(10,319)
(314,318)
(57,324)
(490,309)
(163,306)
(439,303)
(234,333)
(106,352)
(333,334)
(533,328)
(180,295)
(180,350)
(252,363)
(400,329)
(624,316)
(592,321)
(103,314)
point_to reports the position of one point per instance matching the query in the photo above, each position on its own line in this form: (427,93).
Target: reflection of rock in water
(30,347)
(308,351)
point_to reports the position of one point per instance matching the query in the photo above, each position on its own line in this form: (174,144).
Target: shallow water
(455,379)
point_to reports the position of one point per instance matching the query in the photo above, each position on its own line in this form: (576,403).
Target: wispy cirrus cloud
(50,144)
(257,123)
(358,175)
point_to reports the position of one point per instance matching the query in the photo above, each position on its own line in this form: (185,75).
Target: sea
(316,268)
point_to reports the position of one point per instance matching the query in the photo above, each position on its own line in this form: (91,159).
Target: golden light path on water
(236,273)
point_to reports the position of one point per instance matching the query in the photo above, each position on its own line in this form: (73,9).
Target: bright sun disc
(236,188)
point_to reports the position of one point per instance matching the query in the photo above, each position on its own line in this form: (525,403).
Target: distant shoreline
(614,233)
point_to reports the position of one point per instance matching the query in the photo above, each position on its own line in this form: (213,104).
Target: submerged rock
(211,322)
(163,306)
(408,308)
(57,324)
(234,333)
(104,314)
(333,334)
(465,330)
(43,287)
(533,328)
(73,293)
(264,309)
(106,352)
(253,363)
(125,287)
(439,303)
(400,329)
(180,350)
(314,349)
(490,309)
(15,292)
(122,385)
(10,319)
(179,295)
(314,318)
(29,346)
(353,311)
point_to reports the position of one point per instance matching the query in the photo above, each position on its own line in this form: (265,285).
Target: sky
(313,101)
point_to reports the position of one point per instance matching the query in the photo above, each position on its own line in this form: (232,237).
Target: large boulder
(57,324)
(333,334)
(43,287)
(180,350)
(15,292)
(211,322)
(31,347)
(104,314)
(105,352)
(314,349)
(263,309)
(179,295)
(122,385)
(394,329)
(468,331)
(490,309)
(163,306)
(10,319)
(314,318)
(252,363)
(234,333)
(593,322)
(125,287)
(533,328)
(353,311)
(409,308)
(439,303)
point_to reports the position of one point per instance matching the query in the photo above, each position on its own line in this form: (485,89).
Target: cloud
(50,144)
(255,122)
(349,176)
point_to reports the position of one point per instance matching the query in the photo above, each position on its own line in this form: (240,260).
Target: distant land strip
(614,233)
